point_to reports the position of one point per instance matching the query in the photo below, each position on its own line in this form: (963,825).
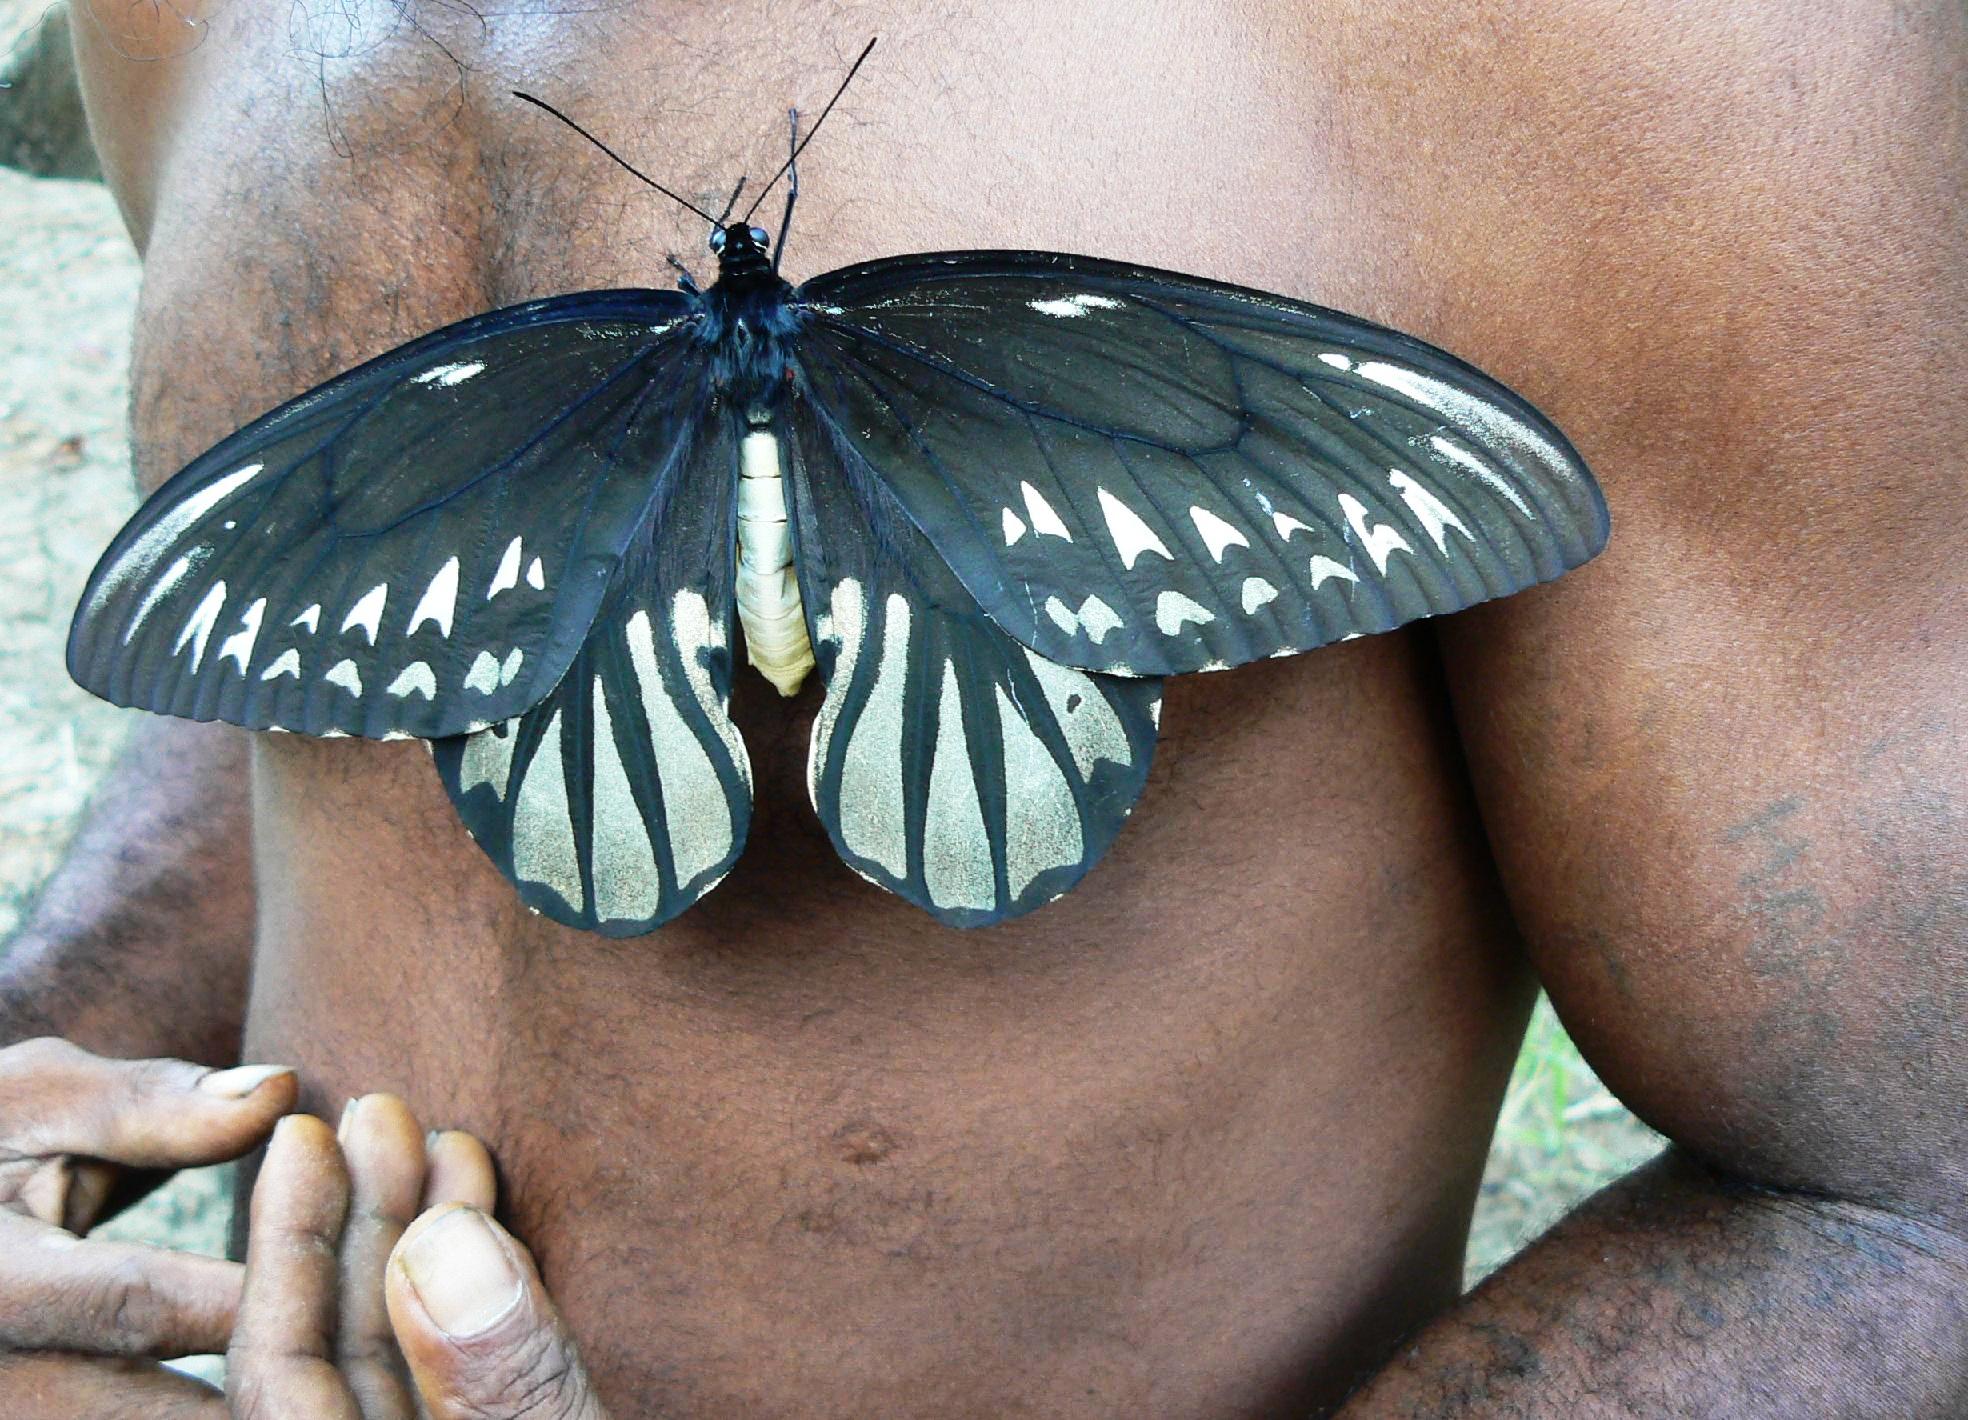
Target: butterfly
(991,498)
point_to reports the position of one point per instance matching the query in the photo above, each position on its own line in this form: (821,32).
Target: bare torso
(1202,1138)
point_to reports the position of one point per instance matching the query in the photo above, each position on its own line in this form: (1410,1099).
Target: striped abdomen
(769,609)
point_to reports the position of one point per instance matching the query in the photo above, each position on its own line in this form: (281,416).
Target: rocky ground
(68,282)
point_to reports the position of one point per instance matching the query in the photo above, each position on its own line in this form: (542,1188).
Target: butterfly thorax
(749,323)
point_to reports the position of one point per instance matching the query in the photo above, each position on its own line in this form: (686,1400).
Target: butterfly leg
(685,281)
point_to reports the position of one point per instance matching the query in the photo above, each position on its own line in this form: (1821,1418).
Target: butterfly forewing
(417,547)
(625,795)
(1144,473)
(949,763)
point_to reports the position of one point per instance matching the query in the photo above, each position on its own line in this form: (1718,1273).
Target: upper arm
(1723,767)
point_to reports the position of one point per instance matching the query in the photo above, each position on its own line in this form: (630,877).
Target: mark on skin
(1044,519)
(439,600)
(1132,537)
(1785,913)
(367,614)
(507,574)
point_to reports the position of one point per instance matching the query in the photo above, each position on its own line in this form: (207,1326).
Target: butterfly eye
(717,239)
(759,236)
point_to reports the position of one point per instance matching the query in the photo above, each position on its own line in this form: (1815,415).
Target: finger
(89,1187)
(48,1385)
(459,1171)
(383,1146)
(281,1359)
(45,1193)
(56,1098)
(477,1328)
(59,1292)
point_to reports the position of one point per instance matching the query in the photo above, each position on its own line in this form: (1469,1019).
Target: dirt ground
(68,283)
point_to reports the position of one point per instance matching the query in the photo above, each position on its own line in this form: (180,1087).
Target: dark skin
(1201,1139)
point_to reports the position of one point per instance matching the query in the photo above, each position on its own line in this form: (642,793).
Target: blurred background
(68,285)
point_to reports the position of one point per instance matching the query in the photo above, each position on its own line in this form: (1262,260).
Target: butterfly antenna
(792,188)
(619,159)
(725,215)
(786,167)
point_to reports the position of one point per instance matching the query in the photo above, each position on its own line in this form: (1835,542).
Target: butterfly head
(741,248)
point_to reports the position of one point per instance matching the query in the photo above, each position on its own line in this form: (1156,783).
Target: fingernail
(431,1136)
(348,1113)
(462,1274)
(241,1080)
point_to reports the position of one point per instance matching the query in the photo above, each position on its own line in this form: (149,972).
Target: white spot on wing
(1131,535)
(507,574)
(1078,304)
(1381,542)
(1432,512)
(238,647)
(626,884)
(1088,722)
(871,766)
(1218,535)
(543,826)
(143,554)
(439,600)
(197,629)
(487,760)
(1256,593)
(1043,518)
(1494,426)
(1481,472)
(1173,611)
(417,678)
(309,619)
(957,866)
(288,662)
(163,587)
(1336,360)
(1094,617)
(483,676)
(843,621)
(697,817)
(1014,527)
(1324,569)
(367,614)
(511,667)
(1042,822)
(449,375)
(536,575)
(1287,525)
(344,674)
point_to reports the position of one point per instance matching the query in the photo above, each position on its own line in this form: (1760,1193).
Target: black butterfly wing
(625,795)
(1145,473)
(950,764)
(417,547)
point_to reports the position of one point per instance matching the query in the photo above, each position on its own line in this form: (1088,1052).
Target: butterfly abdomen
(769,608)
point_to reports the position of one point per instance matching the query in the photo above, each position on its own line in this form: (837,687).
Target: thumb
(470,1316)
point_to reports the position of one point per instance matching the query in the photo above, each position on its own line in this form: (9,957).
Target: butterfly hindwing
(950,764)
(625,795)
(419,546)
(1145,473)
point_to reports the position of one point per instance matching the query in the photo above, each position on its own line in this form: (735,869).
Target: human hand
(352,1310)
(83,1322)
